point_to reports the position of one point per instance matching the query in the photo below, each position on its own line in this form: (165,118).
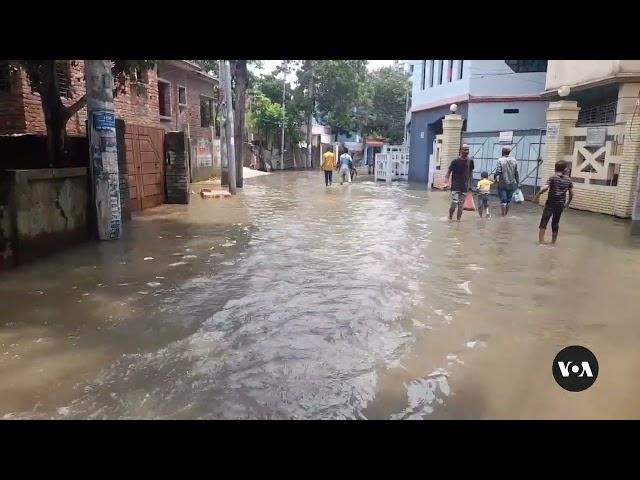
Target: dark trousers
(328,175)
(552,210)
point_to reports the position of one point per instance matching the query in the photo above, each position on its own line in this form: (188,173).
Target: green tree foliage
(265,117)
(340,92)
(271,87)
(387,90)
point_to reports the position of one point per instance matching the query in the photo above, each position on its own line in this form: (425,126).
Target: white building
(491,95)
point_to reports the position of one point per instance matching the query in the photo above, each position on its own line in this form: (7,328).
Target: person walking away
(506,175)
(328,164)
(558,185)
(345,172)
(484,186)
(459,178)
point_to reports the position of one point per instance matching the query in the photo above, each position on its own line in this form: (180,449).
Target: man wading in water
(460,175)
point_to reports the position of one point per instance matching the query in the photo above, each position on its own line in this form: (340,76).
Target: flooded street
(296,301)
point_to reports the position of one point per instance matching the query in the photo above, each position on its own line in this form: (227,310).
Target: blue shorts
(505,195)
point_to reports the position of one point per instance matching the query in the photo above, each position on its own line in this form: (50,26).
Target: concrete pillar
(561,116)
(451,134)
(627,201)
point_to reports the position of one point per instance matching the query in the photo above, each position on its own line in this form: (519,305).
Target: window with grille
(460,69)
(206,111)
(139,82)
(440,71)
(5,76)
(527,66)
(63,76)
(450,71)
(598,114)
(424,73)
(182,96)
(164,98)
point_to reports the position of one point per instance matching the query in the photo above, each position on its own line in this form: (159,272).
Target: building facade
(491,95)
(594,114)
(187,103)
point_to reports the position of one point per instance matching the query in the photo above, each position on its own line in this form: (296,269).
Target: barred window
(63,75)
(527,66)
(206,111)
(5,76)
(598,114)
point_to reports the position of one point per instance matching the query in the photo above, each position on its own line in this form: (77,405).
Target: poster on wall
(596,136)
(203,154)
(506,137)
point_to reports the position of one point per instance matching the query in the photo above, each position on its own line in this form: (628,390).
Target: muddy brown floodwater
(293,300)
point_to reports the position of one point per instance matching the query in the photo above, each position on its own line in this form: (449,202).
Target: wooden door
(145,166)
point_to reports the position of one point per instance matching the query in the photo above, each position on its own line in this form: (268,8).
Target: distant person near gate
(460,175)
(506,175)
(345,171)
(328,164)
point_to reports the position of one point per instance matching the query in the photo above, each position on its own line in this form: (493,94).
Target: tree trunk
(54,114)
(241,77)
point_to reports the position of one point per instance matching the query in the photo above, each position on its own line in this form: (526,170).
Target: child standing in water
(484,185)
(558,185)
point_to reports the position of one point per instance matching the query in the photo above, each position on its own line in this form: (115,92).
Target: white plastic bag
(518,197)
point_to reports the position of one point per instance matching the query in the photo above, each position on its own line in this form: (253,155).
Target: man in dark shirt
(460,175)
(558,185)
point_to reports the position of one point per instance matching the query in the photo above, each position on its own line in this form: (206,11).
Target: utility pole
(225,76)
(103,149)
(406,107)
(310,120)
(284,86)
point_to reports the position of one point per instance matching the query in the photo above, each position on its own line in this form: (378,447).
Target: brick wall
(594,198)
(21,111)
(181,116)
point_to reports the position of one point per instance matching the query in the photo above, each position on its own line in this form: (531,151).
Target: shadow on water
(294,300)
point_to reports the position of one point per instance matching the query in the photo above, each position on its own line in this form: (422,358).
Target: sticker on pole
(104,121)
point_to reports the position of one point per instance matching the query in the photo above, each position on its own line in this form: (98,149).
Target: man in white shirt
(345,172)
(506,174)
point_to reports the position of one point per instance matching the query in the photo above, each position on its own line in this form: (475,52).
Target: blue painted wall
(490,116)
(421,148)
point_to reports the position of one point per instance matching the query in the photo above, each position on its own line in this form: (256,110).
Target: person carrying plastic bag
(506,174)
(459,174)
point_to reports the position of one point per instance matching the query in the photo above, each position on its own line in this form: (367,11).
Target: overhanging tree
(43,77)
(340,90)
(385,111)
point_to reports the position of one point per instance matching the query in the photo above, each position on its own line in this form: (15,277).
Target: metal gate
(527,148)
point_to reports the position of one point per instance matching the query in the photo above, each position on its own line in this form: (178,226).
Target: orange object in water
(469,204)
